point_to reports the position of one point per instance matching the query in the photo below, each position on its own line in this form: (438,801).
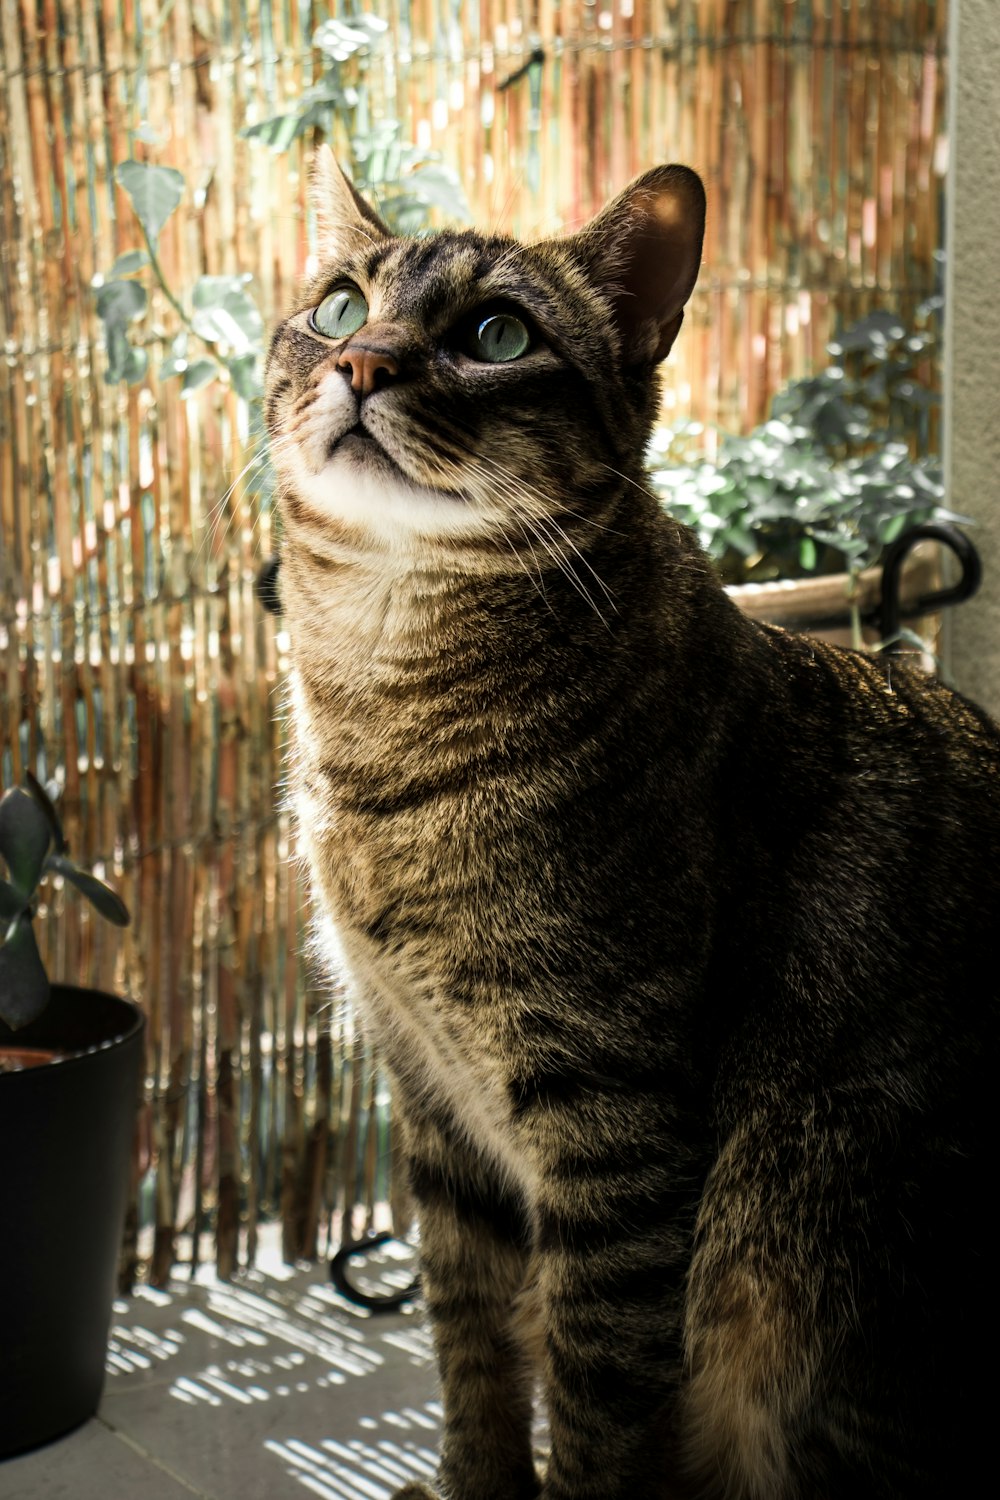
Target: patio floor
(270,1388)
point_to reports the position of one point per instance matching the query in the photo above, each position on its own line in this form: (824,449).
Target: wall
(972,356)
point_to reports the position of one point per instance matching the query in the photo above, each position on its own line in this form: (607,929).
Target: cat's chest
(445,1054)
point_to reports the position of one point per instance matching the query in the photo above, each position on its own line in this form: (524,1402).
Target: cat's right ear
(644,249)
(343,219)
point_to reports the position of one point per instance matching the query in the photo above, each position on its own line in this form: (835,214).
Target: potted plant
(797,512)
(70,1063)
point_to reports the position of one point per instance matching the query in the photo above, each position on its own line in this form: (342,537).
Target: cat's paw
(415,1492)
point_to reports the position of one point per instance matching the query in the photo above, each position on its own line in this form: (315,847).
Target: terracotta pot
(67,1130)
(819,606)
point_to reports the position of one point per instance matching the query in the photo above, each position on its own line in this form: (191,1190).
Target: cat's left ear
(645,250)
(343,218)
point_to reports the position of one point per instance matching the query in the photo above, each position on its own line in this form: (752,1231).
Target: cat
(677,932)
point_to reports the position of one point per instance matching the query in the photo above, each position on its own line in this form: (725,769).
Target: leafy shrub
(831,478)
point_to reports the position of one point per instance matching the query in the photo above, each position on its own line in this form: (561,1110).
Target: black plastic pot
(66,1131)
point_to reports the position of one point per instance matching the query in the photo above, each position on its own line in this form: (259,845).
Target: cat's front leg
(614,1239)
(473,1238)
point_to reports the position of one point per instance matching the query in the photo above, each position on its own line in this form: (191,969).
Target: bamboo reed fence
(140,671)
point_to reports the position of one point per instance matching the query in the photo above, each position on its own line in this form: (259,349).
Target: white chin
(367,491)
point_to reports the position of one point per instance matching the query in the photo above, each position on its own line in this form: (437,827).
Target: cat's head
(467,386)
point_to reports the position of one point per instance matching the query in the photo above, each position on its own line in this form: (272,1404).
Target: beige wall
(972,349)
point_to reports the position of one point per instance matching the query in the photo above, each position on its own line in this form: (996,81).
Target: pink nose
(370,368)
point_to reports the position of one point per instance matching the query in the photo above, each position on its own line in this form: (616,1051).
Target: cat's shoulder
(873,693)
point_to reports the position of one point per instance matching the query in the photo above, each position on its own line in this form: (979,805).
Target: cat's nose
(370,368)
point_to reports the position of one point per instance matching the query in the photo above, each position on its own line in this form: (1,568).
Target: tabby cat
(677,932)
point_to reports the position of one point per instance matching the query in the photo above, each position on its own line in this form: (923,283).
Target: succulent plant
(33,847)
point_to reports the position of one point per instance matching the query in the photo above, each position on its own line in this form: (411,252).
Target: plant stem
(853,595)
(177,306)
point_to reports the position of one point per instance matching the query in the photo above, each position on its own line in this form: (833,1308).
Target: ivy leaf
(225,313)
(125,362)
(868,335)
(121,302)
(894,527)
(24,984)
(315,108)
(431,185)
(198,373)
(174,364)
(807,553)
(438,184)
(154,193)
(245,377)
(339,40)
(277,131)
(147,134)
(129,263)
(907,637)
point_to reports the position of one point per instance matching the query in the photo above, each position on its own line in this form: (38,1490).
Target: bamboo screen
(140,671)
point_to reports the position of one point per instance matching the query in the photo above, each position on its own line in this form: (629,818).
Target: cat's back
(863,807)
(875,728)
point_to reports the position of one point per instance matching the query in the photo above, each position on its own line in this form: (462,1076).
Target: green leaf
(868,335)
(198,373)
(807,553)
(145,132)
(316,107)
(125,362)
(25,837)
(244,375)
(48,807)
(405,204)
(119,302)
(277,131)
(893,528)
(739,538)
(129,263)
(225,313)
(174,364)
(136,364)
(339,40)
(11,902)
(153,191)
(24,985)
(838,540)
(101,896)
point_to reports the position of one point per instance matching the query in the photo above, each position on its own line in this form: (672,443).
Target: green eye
(498,338)
(343,312)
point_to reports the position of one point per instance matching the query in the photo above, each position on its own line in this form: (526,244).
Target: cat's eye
(343,312)
(498,338)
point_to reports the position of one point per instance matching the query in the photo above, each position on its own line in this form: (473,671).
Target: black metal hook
(266,585)
(535,60)
(891,612)
(386,1302)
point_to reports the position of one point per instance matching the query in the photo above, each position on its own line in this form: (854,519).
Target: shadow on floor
(272,1388)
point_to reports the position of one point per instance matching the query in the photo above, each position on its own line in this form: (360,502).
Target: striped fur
(676,932)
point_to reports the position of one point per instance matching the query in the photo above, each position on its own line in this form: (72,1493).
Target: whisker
(559,559)
(538,585)
(543,525)
(215,515)
(633,482)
